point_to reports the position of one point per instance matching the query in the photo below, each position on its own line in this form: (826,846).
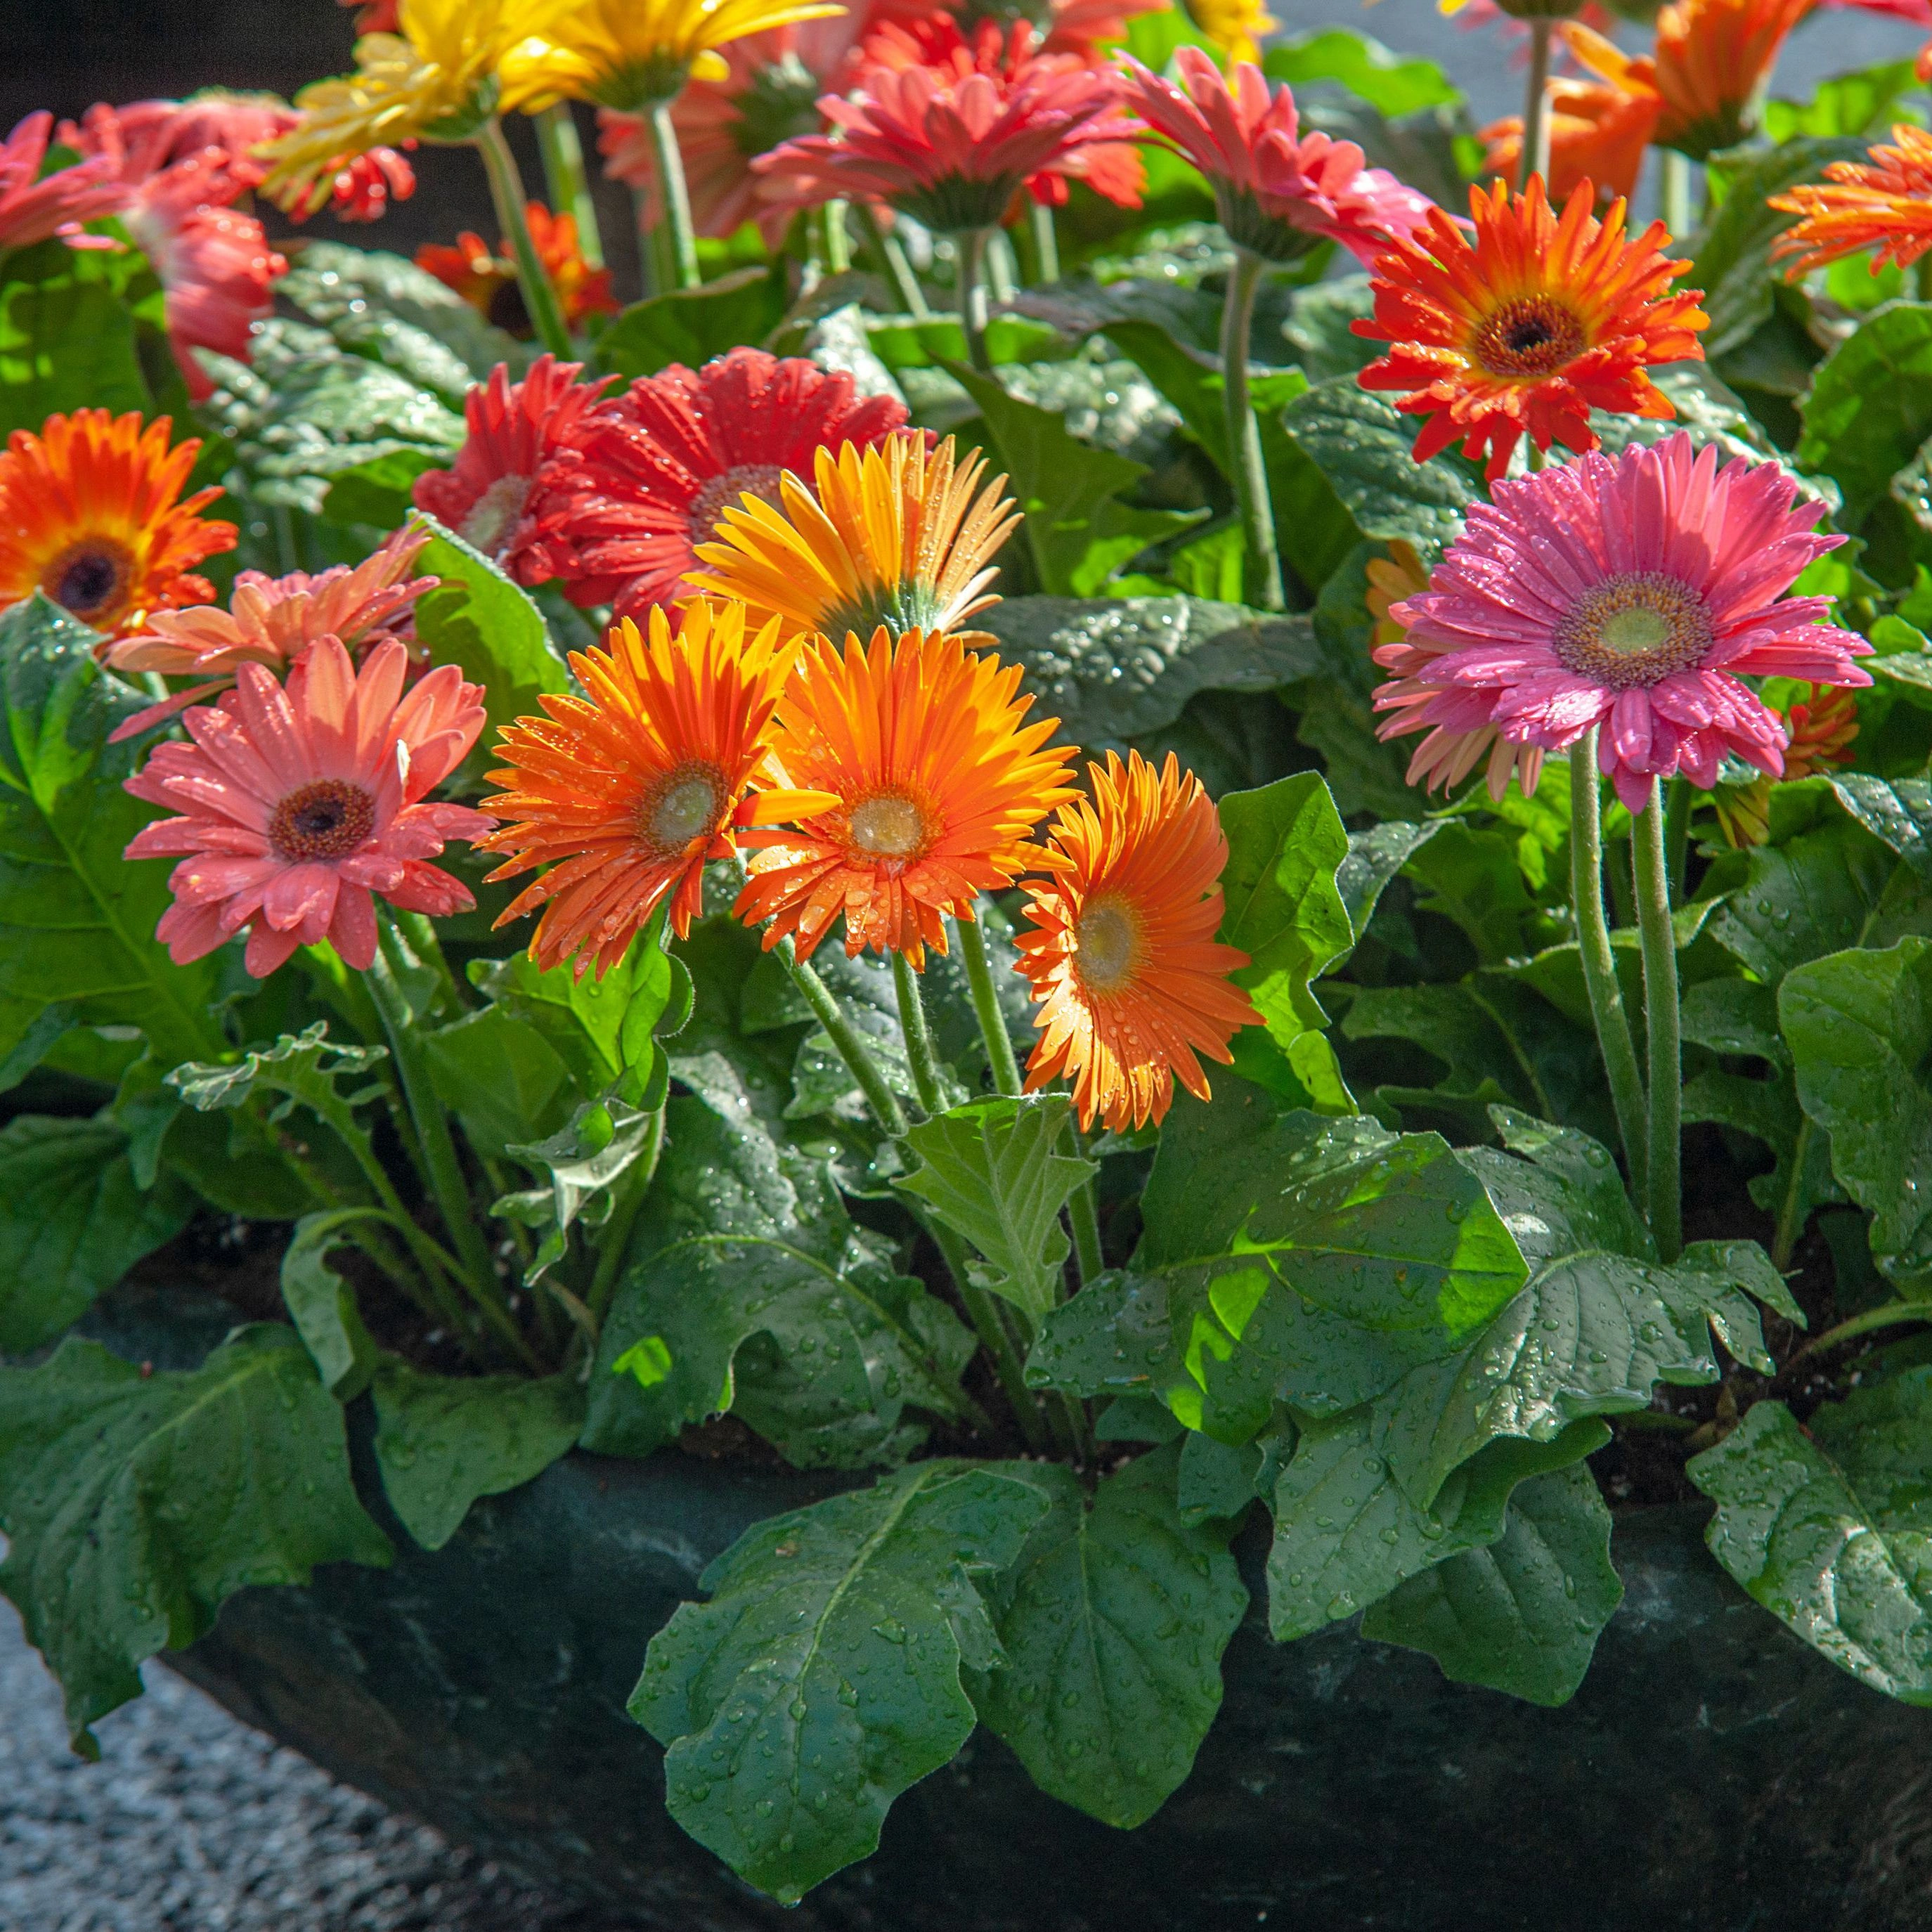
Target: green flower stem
(650,280)
(562,152)
(894,262)
(1661,1027)
(1046,241)
(1675,196)
(1261,574)
(506,189)
(1536,105)
(1791,1216)
(971,265)
(845,1040)
(1000,1055)
(675,195)
(418,929)
(838,245)
(1085,1217)
(1677,835)
(1002,269)
(919,1055)
(638,1179)
(1599,970)
(1893,1315)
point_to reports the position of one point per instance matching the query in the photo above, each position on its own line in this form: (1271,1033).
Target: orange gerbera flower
(936,786)
(91,512)
(626,792)
(1530,326)
(1597,133)
(488,283)
(1132,983)
(1885,203)
(894,536)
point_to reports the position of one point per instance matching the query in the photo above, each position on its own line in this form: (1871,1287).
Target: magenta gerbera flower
(1634,594)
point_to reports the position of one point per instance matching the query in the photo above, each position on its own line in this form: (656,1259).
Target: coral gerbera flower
(1634,594)
(1132,985)
(937,784)
(1884,203)
(895,536)
(301,802)
(33,206)
(91,513)
(626,793)
(1528,328)
(488,283)
(624,521)
(1277,192)
(1234,26)
(514,430)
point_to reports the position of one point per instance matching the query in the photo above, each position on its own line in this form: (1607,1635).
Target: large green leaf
(77,919)
(134,1503)
(992,1170)
(1364,448)
(443,1441)
(322,1304)
(72,1222)
(694,325)
(68,338)
(1857,102)
(1523,1613)
(1113,1620)
(823,1678)
(501,1078)
(1869,411)
(1829,1526)
(1392,84)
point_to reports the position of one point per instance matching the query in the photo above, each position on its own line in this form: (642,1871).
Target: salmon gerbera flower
(302,803)
(937,783)
(1527,328)
(91,513)
(35,205)
(626,793)
(1884,202)
(1635,595)
(1131,985)
(895,536)
(625,515)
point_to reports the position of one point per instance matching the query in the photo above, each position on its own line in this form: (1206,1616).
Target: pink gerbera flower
(1277,192)
(1635,595)
(301,803)
(515,429)
(622,515)
(33,206)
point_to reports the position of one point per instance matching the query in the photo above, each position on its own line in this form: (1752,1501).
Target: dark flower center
(506,309)
(1532,335)
(92,579)
(327,820)
(721,493)
(1634,629)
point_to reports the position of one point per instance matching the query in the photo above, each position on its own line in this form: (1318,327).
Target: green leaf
(1375,856)
(823,1678)
(1870,410)
(500,1077)
(293,1065)
(135,1504)
(379,494)
(1364,448)
(68,337)
(443,1441)
(992,1172)
(323,1306)
(1391,84)
(1216,1479)
(603,1027)
(1113,1621)
(581,1163)
(694,325)
(1076,529)
(72,1222)
(1897,810)
(1860,103)
(1523,1614)
(1827,1526)
(77,919)
(1473,879)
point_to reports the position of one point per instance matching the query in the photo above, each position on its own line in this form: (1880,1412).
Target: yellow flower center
(1634,629)
(888,827)
(1531,335)
(93,579)
(327,820)
(1108,938)
(722,494)
(686,806)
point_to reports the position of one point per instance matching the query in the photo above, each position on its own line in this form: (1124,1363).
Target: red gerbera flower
(515,429)
(488,283)
(649,479)
(34,205)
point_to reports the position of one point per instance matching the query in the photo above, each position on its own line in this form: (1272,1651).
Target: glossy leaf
(1365,449)
(323,1306)
(580,1164)
(1870,410)
(1390,83)
(68,338)
(693,326)
(305,1067)
(500,1077)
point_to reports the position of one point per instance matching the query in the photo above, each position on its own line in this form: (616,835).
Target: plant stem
(845,1040)
(563,152)
(1536,106)
(1262,571)
(1674,193)
(674,194)
(971,268)
(1002,271)
(1925,277)
(419,930)
(1085,1217)
(919,1055)
(894,262)
(837,244)
(1000,1055)
(1599,969)
(1677,836)
(1892,1315)
(650,283)
(506,189)
(1790,1220)
(637,1179)
(1661,1027)
(1046,241)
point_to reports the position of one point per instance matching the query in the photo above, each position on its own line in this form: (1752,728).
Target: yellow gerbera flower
(632,54)
(1235,26)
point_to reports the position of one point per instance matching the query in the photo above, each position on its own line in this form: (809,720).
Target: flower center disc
(93,579)
(1108,938)
(722,492)
(685,807)
(493,515)
(1532,335)
(888,827)
(327,820)
(1634,630)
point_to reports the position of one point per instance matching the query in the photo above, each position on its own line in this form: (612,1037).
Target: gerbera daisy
(272,620)
(951,143)
(1821,728)
(488,283)
(626,793)
(1598,133)
(1530,326)
(1884,203)
(91,513)
(1277,193)
(300,801)
(1634,594)
(33,206)
(1234,26)
(1131,985)
(623,522)
(515,429)
(937,783)
(895,536)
